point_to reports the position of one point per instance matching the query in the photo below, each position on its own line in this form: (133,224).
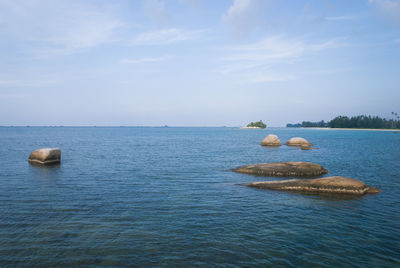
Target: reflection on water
(333,197)
(42,172)
(330,197)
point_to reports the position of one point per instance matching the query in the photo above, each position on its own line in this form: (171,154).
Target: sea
(167,197)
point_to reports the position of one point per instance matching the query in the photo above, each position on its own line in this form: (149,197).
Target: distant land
(258,124)
(357,122)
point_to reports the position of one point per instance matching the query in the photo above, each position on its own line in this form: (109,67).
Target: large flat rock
(335,185)
(283,169)
(45,156)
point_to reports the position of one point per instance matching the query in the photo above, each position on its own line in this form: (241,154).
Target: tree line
(361,121)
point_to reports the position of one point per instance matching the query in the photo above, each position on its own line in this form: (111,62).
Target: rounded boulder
(271,140)
(297,141)
(45,156)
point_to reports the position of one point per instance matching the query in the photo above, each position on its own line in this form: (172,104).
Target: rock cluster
(273,140)
(331,185)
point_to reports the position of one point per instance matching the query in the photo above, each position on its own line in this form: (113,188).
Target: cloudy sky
(197,62)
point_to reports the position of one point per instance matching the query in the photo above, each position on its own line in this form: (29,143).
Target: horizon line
(144,126)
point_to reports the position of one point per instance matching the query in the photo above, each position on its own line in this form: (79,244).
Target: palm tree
(394,118)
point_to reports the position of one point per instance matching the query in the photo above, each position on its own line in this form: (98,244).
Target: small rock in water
(297,141)
(332,185)
(45,156)
(283,169)
(271,140)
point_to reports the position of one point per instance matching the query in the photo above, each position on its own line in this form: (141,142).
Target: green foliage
(258,124)
(321,123)
(293,125)
(361,121)
(314,124)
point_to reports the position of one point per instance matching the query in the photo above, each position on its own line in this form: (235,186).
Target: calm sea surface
(166,197)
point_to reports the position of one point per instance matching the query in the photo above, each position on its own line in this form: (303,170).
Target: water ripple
(165,197)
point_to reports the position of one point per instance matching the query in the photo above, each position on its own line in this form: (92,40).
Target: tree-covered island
(258,124)
(361,121)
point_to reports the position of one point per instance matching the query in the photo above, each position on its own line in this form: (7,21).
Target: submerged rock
(271,140)
(297,141)
(45,156)
(308,147)
(283,169)
(336,185)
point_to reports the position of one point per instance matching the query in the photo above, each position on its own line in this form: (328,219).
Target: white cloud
(269,77)
(58,27)
(5,83)
(238,8)
(81,35)
(271,49)
(333,43)
(157,12)
(167,36)
(244,15)
(144,60)
(389,9)
(196,4)
(341,18)
(261,61)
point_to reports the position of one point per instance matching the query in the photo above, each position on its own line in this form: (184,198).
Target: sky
(196,62)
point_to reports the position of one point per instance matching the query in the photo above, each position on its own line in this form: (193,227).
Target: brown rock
(271,140)
(297,141)
(336,185)
(45,156)
(283,169)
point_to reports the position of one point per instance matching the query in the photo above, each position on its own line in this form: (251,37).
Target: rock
(335,185)
(283,169)
(271,140)
(298,142)
(306,147)
(45,156)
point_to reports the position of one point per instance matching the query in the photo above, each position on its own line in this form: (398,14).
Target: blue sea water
(166,197)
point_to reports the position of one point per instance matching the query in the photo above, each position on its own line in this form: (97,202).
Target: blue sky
(197,62)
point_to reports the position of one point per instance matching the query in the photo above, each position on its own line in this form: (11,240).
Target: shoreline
(363,129)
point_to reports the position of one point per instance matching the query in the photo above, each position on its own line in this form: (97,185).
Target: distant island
(361,121)
(258,124)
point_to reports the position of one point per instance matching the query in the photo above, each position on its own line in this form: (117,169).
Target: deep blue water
(167,197)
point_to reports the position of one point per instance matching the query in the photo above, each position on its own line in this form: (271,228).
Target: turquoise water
(166,197)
